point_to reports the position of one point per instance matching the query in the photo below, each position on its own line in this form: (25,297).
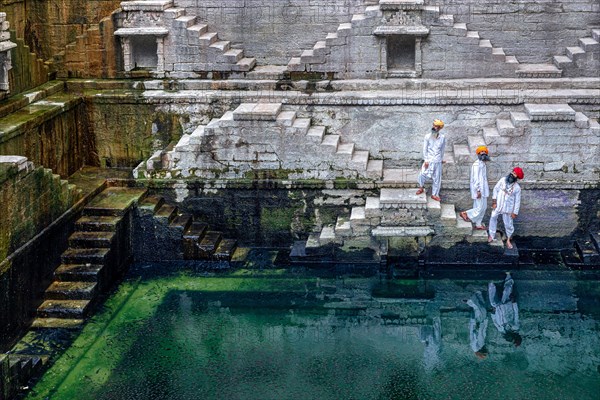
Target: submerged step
(225,250)
(151,204)
(191,237)
(114,201)
(57,323)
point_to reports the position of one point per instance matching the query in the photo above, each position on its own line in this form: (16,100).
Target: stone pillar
(418,56)
(5,47)
(126,48)
(160,52)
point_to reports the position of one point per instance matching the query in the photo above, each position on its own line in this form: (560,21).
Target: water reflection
(349,339)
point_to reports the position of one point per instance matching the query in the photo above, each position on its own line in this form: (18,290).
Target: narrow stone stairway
(96,256)
(193,240)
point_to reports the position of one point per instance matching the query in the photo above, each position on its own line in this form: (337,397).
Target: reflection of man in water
(432,337)
(506,311)
(478,325)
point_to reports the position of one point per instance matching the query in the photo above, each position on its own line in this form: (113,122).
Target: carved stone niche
(143,48)
(403,32)
(5,58)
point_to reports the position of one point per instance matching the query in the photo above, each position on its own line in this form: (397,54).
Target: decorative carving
(5,58)
(401,18)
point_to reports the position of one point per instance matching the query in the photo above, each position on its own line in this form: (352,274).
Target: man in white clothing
(434,146)
(506,311)
(480,190)
(506,202)
(478,325)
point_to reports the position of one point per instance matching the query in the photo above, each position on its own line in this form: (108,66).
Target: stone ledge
(154,31)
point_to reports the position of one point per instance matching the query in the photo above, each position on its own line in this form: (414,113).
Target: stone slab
(257,112)
(402,198)
(402,231)
(155,31)
(550,112)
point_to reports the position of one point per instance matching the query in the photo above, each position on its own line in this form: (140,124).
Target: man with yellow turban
(480,189)
(434,146)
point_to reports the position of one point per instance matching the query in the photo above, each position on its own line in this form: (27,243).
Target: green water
(277,335)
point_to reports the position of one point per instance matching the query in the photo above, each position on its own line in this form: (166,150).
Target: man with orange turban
(434,146)
(480,190)
(506,201)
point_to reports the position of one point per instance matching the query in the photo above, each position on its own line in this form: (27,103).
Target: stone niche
(403,29)
(143,48)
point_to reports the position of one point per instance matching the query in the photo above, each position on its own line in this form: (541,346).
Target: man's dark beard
(510,179)
(484,157)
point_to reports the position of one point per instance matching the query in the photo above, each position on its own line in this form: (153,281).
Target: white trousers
(508,224)
(434,173)
(476,213)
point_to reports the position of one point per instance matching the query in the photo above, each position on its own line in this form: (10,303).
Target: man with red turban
(506,201)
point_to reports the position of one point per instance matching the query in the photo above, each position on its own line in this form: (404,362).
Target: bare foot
(480,228)
(508,244)
(464,216)
(436,198)
(490,239)
(421,190)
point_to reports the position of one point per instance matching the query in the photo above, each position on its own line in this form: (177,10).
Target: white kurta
(478,322)
(508,201)
(506,315)
(479,183)
(433,153)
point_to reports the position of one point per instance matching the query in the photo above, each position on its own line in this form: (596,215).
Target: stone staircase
(262,136)
(182,236)
(208,51)
(581,60)
(516,129)
(396,213)
(16,370)
(96,256)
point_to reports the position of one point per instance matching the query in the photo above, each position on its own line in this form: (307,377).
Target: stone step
(225,250)
(60,290)
(373,11)
(498,54)
(166,213)
(589,44)
(75,309)
(594,126)
(581,120)
(312,242)
(233,55)
(358,215)
(286,118)
(85,256)
(183,142)
(474,35)
(402,198)
(400,175)
(575,52)
(358,19)
(458,29)
(375,169)
(331,142)
(344,29)
(434,207)
(511,60)
(57,323)
(327,235)
(474,142)
(333,39)
(114,201)
(197,136)
(477,236)
(596,34)
(342,226)
(185,21)
(192,236)
(244,65)
(505,127)
(538,71)
(562,61)
(97,223)
(296,65)
(448,214)
(198,29)
(87,240)
(372,207)
(174,12)
(320,48)
(257,112)
(492,137)
(402,231)
(181,222)
(316,134)
(549,112)
(221,45)
(209,244)
(345,150)
(461,153)
(360,159)
(446,19)
(78,272)
(302,125)
(208,38)
(519,119)
(462,227)
(485,43)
